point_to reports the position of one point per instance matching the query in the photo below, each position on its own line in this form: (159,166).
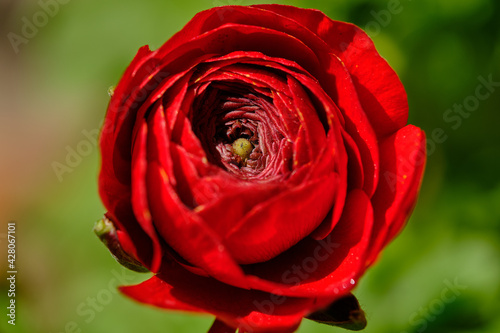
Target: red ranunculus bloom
(257,163)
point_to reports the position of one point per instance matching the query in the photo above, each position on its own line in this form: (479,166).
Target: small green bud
(106,231)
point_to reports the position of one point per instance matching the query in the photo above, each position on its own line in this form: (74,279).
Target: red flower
(257,163)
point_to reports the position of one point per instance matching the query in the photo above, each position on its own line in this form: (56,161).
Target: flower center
(237,130)
(237,135)
(242,147)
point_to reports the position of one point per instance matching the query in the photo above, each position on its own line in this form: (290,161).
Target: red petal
(186,233)
(357,124)
(116,153)
(248,310)
(332,156)
(235,37)
(116,134)
(402,165)
(139,194)
(314,132)
(226,205)
(279,223)
(321,268)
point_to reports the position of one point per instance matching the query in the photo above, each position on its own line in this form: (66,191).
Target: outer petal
(139,195)
(115,145)
(116,134)
(248,310)
(403,160)
(232,37)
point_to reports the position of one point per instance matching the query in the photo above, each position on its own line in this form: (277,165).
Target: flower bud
(106,231)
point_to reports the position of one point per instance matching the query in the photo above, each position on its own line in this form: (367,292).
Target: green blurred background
(53,96)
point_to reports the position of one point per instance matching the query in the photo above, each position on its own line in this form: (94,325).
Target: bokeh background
(53,96)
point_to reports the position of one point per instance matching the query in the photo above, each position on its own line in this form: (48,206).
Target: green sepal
(344,312)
